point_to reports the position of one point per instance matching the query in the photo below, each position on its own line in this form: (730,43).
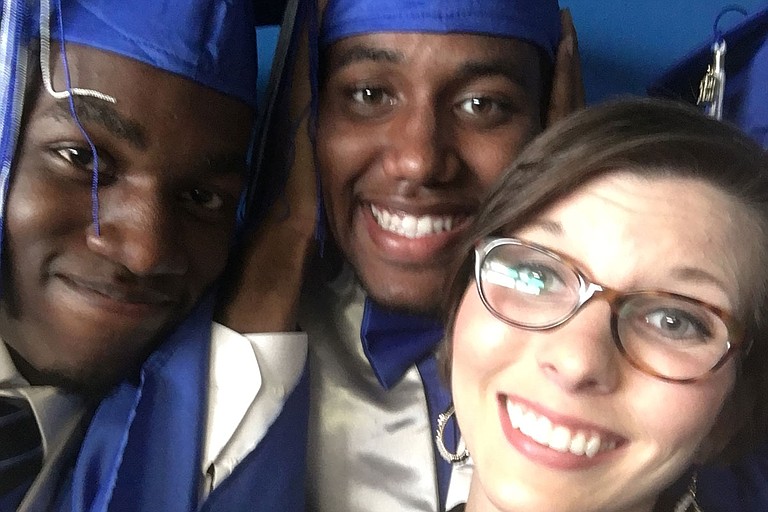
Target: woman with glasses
(609,323)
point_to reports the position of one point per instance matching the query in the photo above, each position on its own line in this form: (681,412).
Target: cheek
(346,148)
(210,249)
(481,348)
(335,162)
(39,215)
(490,154)
(681,416)
(485,351)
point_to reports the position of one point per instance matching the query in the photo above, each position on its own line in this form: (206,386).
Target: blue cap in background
(745,101)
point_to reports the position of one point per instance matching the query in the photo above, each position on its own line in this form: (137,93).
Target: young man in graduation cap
(421,106)
(125,130)
(736,90)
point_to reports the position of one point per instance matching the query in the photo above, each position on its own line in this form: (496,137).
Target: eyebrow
(695,274)
(362,52)
(222,164)
(504,68)
(103,113)
(473,69)
(550,226)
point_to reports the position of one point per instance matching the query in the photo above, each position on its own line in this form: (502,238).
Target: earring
(688,501)
(453,458)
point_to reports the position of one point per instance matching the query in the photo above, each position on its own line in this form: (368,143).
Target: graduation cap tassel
(69,93)
(712,86)
(45,58)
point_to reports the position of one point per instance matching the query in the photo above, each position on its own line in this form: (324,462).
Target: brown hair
(653,138)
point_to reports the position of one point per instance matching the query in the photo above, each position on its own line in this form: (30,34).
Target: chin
(91,382)
(408,301)
(92,375)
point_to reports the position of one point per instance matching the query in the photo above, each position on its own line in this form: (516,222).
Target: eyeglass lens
(673,337)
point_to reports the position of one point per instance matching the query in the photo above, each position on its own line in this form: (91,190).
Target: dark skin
(84,310)
(279,251)
(417,127)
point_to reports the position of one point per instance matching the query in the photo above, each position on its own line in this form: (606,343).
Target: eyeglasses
(669,336)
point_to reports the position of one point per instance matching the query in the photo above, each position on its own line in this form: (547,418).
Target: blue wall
(624,44)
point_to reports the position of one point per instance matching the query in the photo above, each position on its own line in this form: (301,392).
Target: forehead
(631,231)
(433,52)
(646,200)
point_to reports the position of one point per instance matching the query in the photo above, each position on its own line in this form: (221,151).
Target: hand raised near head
(262,292)
(567,86)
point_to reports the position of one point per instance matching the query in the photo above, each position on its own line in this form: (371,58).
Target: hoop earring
(688,501)
(442,420)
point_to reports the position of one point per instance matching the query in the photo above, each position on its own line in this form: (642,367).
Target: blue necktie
(393,342)
(21,452)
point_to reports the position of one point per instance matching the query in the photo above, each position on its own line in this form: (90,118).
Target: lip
(117,298)
(549,457)
(421,250)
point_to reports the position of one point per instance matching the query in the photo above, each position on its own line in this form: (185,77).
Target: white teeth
(528,424)
(411,226)
(578,443)
(593,446)
(423,226)
(560,440)
(515,414)
(558,437)
(543,430)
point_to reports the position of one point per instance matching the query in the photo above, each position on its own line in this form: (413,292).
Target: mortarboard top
(746,76)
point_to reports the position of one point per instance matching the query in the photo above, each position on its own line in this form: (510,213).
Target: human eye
(678,324)
(487,110)
(76,157)
(372,96)
(525,277)
(369,101)
(202,201)
(77,162)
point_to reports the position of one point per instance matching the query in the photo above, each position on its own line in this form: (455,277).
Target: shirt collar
(54,409)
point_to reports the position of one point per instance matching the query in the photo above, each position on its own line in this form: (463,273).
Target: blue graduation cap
(210,42)
(745,95)
(537,22)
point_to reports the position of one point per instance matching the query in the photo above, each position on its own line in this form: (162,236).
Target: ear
(567,93)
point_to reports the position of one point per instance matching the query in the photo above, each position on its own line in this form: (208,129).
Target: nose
(137,231)
(419,146)
(580,356)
